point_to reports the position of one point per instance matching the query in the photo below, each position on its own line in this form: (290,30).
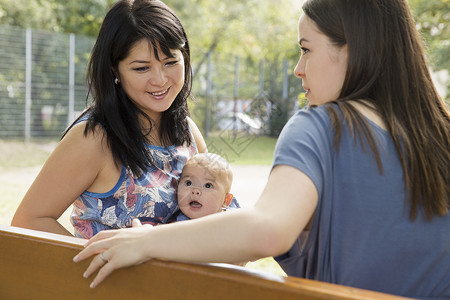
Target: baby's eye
(188,183)
(208,185)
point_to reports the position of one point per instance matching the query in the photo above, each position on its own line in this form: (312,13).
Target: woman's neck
(152,130)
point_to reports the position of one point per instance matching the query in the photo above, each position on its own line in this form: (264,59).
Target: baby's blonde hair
(214,164)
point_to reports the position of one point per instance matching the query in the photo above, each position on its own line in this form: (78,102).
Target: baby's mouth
(195,204)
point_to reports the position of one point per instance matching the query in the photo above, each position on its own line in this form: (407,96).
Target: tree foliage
(80,17)
(252,28)
(257,31)
(432,18)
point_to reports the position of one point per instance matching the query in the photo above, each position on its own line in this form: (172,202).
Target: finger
(96,263)
(104,234)
(136,223)
(92,249)
(104,272)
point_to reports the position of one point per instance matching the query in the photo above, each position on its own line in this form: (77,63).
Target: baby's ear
(228,199)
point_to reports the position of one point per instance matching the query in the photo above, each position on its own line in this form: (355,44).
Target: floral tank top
(150,197)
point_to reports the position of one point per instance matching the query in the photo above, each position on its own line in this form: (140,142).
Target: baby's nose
(196,191)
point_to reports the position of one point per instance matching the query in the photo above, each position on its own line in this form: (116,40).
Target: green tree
(433,18)
(253,30)
(78,17)
(29,14)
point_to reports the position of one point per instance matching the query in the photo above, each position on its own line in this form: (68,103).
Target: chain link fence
(42,81)
(43,88)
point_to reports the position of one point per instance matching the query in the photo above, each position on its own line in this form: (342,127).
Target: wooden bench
(38,265)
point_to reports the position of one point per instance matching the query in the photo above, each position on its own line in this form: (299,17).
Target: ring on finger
(103,258)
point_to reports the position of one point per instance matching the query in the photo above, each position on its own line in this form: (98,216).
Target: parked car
(240,122)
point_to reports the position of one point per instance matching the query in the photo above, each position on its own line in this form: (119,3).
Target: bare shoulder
(191,123)
(92,145)
(78,137)
(198,137)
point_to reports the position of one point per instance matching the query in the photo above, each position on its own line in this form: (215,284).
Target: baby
(204,186)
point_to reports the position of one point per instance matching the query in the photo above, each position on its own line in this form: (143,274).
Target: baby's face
(200,193)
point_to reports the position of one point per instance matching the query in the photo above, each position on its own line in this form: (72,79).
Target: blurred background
(243,56)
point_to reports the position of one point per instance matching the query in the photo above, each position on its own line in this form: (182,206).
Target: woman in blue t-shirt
(359,192)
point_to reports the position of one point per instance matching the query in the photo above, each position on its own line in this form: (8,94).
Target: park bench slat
(38,265)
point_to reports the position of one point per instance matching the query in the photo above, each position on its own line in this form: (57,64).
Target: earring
(116,81)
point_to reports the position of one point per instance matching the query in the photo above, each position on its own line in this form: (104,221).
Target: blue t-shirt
(361,234)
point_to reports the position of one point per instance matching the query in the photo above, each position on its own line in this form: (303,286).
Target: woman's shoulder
(80,154)
(199,141)
(323,113)
(311,117)
(317,111)
(191,123)
(80,135)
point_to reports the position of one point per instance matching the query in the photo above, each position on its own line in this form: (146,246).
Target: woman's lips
(160,94)
(307,92)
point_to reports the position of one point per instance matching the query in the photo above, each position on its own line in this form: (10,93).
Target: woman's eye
(171,63)
(304,50)
(208,185)
(141,69)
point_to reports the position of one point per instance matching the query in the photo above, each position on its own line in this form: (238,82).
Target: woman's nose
(158,77)
(299,70)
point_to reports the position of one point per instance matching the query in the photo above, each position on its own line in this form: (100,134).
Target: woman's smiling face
(322,66)
(150,83)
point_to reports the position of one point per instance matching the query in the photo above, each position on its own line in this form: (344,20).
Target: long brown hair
(387,68)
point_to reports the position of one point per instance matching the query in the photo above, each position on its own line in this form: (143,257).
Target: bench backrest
(38,265)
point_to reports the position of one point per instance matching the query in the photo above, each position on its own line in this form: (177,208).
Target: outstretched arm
(267,229)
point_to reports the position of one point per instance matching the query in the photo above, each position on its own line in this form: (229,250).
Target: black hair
(125,24)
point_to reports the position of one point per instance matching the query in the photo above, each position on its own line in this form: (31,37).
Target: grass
(17,160)
(242,149)
(16,154)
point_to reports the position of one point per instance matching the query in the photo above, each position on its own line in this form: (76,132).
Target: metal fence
(43,87)
(42,81)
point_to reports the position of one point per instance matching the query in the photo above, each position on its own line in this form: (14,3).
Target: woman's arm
(70,170)
(198,137)
(268,229)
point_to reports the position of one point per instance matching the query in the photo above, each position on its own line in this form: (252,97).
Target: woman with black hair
(122,158)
